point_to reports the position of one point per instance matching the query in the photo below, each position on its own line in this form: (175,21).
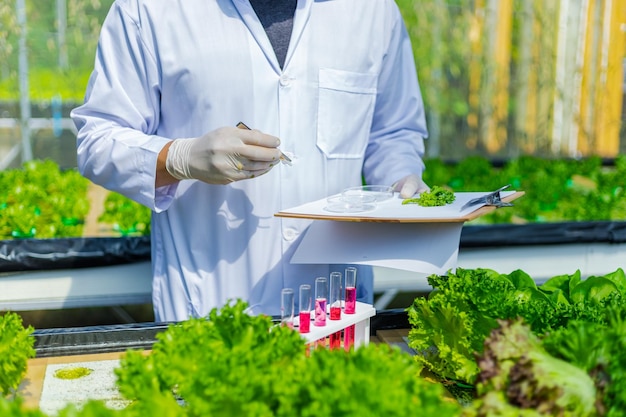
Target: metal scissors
(491,199)
(284,158)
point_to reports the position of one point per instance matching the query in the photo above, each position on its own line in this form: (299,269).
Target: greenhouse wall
(500,78)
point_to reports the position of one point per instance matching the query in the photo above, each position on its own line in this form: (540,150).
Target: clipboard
(392,211)
(392,235)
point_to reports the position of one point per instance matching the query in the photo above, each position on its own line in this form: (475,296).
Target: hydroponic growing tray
(101,347)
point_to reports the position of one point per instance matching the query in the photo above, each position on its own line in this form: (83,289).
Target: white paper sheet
(430,248)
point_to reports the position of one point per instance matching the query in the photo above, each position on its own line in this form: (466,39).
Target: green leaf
(521,280)
(594,289)
(619,279)
(557,283)
(16,347)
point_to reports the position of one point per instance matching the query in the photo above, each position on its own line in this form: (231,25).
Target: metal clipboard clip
(491,199)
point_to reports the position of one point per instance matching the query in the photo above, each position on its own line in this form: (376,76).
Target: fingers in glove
(246,144)
(408,190)
(260,146)
(258,165)
(245,174)
(259,154)
(258,138)
(240,168)
(410,185)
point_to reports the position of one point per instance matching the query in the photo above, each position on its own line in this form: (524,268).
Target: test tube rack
(360,319)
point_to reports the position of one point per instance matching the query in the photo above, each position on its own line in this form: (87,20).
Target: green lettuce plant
(126,216)
(234,364)
(599,349)
(556,189)
(16,347)
(40,200)
(450,326)
(518,373)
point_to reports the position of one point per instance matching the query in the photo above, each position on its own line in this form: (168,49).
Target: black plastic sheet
(47,254)
(543,234)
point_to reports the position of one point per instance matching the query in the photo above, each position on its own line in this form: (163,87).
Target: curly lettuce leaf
(528,377)
(16,348)
(450,326)
(600,349)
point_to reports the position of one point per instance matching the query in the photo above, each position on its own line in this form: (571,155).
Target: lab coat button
(290,234)
(284,81)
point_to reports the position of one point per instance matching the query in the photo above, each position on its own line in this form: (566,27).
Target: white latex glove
(410,185)
(222,156)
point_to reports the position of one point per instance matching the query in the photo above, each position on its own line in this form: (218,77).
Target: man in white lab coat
(331,83)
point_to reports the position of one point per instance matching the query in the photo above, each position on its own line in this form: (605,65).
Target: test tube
(348,337)
(305,308)
(334,299)
(286,307)
(321,290)
(350,307)
(334,340)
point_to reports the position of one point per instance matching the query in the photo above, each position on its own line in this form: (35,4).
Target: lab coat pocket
(345,111)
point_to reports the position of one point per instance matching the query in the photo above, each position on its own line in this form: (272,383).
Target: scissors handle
(491,199)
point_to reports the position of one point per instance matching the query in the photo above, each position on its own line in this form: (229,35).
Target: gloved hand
(222,156)
(410,185)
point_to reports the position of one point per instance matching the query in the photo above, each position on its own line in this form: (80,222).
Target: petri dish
(341,204)
(367,192)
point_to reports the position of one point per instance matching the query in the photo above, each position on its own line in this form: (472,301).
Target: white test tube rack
(361,320)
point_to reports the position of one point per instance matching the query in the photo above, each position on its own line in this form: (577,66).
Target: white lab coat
(346,103)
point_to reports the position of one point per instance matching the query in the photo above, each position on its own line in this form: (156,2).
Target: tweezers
(491,199)
(284,158)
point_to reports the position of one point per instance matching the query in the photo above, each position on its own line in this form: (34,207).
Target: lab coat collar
(303,11)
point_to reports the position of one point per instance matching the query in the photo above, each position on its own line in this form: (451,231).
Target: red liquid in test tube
(348,337)
(335,307)
(335,313)
(305,308)
(321,292)
(305,322)
(334,341)
(335,296)
(350,306)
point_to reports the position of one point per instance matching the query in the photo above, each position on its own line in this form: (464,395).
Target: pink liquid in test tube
(320,312)
(348,337)
(350,302)
(334,298)
(321,292)
(305,321)
(334,341)
(305,308)
(350,307)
